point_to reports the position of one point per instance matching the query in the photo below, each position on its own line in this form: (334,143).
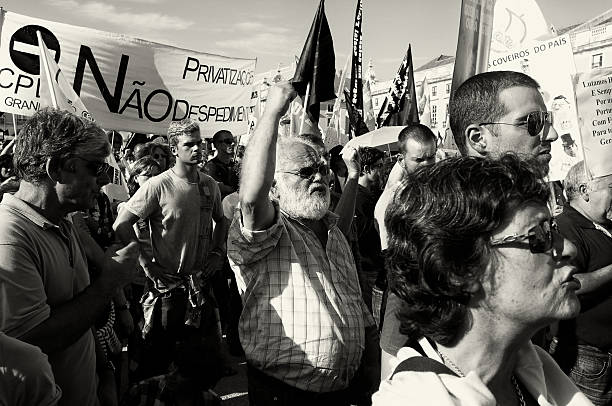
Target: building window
(376,102)
(434,114)
(448,86)
(434,91)
(597,61)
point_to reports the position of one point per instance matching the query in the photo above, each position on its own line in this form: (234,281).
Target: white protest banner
(515,24)
(551,64)
(57,92)
(126,83)
(594,96)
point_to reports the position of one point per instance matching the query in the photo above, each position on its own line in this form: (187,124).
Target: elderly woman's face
(531,289)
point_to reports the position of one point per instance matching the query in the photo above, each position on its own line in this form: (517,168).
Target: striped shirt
(304,319)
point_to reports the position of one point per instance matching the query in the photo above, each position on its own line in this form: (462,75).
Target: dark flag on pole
(356,66)
(400,106)
(316,66)
(474,41)
(358,126)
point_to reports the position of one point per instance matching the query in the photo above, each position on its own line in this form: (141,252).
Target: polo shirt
(593,325)
(43,265)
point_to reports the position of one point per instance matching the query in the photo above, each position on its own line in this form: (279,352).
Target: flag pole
(304,108)
(43,60)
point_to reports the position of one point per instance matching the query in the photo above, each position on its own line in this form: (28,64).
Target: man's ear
(53,167)
(173,150)
(584,192)
(476,138)
(274,190)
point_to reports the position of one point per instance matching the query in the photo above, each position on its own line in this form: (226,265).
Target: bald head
(417,145)
(293,153)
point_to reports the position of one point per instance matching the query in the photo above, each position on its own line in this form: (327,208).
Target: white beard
(298,203)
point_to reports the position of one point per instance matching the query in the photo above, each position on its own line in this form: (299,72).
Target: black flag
(400,106)
(316,65)
(356,65)
(358,126)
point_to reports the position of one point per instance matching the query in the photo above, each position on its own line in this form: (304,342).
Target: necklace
(519,393)
(459,372)
(451,364)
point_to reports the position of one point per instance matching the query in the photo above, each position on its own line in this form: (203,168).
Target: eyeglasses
(536,120)
(309,171)
(97,168)
(540,237)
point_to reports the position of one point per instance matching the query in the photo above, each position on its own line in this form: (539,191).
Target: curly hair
(52,133)
(477,101)
(369,156)
(439,223)
(177,128)
(143,165)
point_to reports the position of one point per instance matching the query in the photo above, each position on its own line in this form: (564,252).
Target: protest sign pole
(304,112)
(45,63)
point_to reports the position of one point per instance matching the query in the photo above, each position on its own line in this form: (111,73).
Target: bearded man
(305,329)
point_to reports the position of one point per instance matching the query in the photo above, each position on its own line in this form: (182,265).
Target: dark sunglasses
(309,171)
(541,237)
(96,167)
(535,121)
(227,141)
(159,156)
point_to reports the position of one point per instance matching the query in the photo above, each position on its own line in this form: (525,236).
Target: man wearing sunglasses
(583,346)
(304,325)
(221,167)
(48,299)
(497,112)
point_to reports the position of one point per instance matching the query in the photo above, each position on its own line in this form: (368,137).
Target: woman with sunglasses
(480,266)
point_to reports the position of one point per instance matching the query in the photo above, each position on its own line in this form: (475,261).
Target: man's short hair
(219,134)
(369,156)
(440,223)
(284,147)
(51,133)
(477,101)
(576,176)
(418,132)
(178,128)
(315,141)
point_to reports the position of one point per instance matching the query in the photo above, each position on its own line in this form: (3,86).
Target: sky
(273,31)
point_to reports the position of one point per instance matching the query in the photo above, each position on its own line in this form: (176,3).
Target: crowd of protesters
(346,277)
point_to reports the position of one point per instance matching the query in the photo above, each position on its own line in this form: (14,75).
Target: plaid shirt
(304,319)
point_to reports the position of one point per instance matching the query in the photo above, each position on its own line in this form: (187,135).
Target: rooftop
(439,61)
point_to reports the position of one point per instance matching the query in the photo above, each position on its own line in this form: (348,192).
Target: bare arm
(259,161)
(69,321)
(124,226)
(592,281)
(346,205)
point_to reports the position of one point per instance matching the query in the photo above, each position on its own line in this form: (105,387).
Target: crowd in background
(343,277)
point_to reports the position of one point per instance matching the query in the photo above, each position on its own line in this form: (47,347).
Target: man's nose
(549,135)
